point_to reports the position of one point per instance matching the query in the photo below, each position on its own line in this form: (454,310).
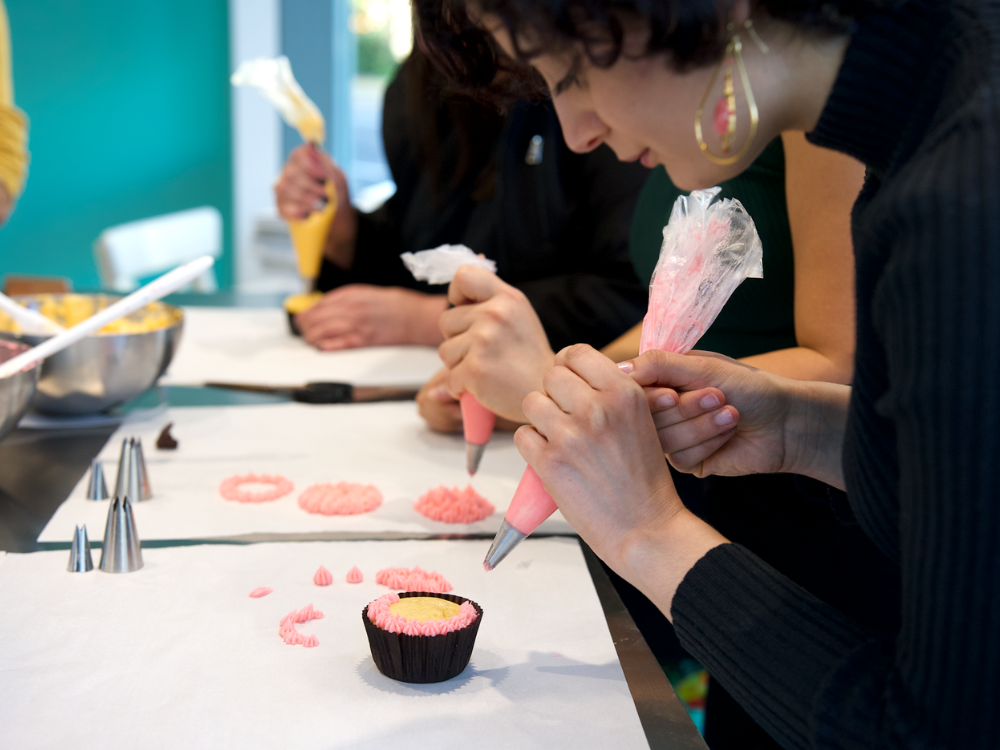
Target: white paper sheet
(255,346)
(177,654)
(387,445)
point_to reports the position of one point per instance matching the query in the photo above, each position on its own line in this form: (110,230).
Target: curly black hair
(693,32)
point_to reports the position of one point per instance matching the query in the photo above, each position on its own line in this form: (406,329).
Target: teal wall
(129,109)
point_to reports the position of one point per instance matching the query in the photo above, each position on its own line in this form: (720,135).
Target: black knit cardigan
(917,100)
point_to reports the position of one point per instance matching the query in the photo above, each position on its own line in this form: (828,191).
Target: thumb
(472,284)
(659,368)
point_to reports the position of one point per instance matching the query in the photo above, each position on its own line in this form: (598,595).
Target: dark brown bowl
(422,658)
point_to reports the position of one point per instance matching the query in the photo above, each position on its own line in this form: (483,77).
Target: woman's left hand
(593,442)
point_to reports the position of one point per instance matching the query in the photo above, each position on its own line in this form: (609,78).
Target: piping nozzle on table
(122,550)
(97,488)
(80,560)
(133,479)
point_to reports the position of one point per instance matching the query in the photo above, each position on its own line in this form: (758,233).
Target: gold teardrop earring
(724,114)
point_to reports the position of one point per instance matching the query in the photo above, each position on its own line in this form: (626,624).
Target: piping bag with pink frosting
(709,248)
(438,266)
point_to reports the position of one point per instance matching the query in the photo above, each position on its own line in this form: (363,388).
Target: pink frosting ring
(413,579)
(452,505)
(232,488)
(378,613)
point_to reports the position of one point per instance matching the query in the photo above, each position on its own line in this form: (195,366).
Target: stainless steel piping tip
(506,539)
(80,560)
(97,488)
(122,552)
(139,459)
(473,456)
(133,480)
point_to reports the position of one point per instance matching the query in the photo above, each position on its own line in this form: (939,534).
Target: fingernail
(440,394)
(665,401)
(724,418)
(626,366)
(710,401)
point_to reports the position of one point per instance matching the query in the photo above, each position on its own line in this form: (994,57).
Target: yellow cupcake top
(424,608)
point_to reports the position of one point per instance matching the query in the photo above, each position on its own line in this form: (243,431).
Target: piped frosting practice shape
(452,505)
(323,577)
(380,613)
(340,499)
(260,591)
(354,575)
(290,634)
(413,579)
(233,488)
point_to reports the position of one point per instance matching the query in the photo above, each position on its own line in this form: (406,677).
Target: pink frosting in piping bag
(477,420)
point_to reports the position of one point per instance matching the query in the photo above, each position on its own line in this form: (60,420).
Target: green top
(760,316)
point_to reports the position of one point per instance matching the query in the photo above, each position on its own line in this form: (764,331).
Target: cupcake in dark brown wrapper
(423,640)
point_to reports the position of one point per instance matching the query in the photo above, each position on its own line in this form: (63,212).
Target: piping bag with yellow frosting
(274,79)
(709,248)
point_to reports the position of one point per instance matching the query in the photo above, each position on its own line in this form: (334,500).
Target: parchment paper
(387,445)
(255,346)
(177,654)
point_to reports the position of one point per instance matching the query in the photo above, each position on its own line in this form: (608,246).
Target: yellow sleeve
(13,123)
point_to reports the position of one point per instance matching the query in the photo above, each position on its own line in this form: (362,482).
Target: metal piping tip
(133,480)
(80,560)
(140,461)
(122,552)
(97,488)
(473,455)
(506,539)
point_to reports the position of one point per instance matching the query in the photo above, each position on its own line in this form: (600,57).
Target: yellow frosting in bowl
(423,608)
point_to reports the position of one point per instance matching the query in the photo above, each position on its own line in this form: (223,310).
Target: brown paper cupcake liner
(422,658)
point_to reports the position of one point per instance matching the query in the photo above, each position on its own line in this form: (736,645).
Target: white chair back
(129,252)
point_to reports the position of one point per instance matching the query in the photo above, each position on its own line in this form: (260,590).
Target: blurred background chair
(130,253)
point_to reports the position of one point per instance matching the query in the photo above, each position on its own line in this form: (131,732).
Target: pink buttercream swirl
(413,579)
(354,575)
(288,632)
(340,499)
(378,613)
(452,505)
(323,577)
(260,591)
(233,489)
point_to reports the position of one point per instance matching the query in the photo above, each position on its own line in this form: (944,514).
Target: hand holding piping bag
(274,79)
(439,266)
(709,248)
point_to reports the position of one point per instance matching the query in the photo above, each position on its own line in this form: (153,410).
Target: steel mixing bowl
(16,390)
(104,369)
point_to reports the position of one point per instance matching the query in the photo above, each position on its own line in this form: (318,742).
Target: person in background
(13,129)
(797,321)
(555,222)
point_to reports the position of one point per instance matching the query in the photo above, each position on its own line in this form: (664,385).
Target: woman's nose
(583,129)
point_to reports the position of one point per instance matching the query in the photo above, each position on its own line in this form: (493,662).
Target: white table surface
(255,346)
(177,654)
(386,444)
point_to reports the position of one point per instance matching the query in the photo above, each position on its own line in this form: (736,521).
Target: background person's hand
(496,347)
(593,443)
(439,408)
(363,315)
(301,189)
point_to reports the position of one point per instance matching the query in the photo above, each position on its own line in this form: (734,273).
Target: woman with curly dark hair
(910,89)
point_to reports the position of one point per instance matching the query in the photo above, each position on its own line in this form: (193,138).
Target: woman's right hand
(715,415)
(301,189)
